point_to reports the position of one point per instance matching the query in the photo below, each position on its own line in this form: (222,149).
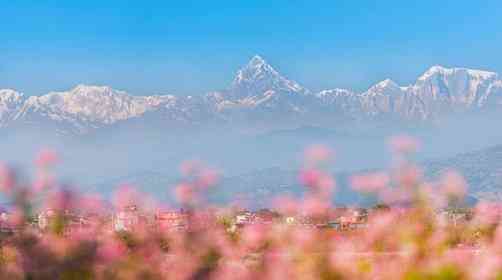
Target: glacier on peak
(258,77)
(10,102)
(443,71)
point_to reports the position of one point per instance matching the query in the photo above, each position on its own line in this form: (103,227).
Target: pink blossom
(126,196)
(408,176)
(310,177)
(254,235)
(286,205)
(317,181)
(46,158)
(315,206)
(206,178)
(16,218)
(372,182)
(184,193)
(7,180)
(60,200)
(43,181)
(111,250)
(317,154)
(488,212)
(453,185)
(91,203)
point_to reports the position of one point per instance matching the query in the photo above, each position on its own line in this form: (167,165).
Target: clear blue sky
(191,47)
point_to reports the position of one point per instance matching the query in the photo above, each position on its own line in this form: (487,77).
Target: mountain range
(261,96)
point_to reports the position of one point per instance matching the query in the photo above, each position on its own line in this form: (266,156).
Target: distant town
(341,219)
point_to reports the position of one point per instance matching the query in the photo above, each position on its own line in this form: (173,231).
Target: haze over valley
(261,120)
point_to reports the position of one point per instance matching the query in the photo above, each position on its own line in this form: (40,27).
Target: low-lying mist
(101,160)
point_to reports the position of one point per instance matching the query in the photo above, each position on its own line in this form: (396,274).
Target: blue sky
(191,47)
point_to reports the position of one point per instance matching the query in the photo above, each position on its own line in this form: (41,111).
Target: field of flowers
(403,239)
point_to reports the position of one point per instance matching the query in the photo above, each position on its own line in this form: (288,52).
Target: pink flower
(372,182)
(286,205)
(206,178)
(453,185)
(488,267)
(487,212)
(303,236)
(7,179)
(184,193)
(91,203)
(254,235)
(126,196)
(61,200)
(408,175)
(310,177)
(315,206)
(43,181)
(111,250)
(46,158)
(16,218)
(317,154)
(317,181)
(395,195)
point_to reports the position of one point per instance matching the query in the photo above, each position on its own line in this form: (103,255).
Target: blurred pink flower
(126,196)
(206,178)
(7,179)
(46,158)
(372,182)
(395,196)
(488,267)
(303,236)
(16,218)
(315,206)
(184,193)
(488,212)
(254,235)
(453,185)
(310,177)
(61,200)
(317,181)
(408,175)
(91,203)
(110,250)
(317,154)
(286,205)
(43,181)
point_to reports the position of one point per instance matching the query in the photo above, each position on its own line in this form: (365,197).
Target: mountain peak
(256,68)
(9,93)
(91,89)
(385,86)
(257,61)
(440,70)
(387,83)
(258,77)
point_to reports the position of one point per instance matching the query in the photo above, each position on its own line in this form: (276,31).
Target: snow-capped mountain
(10,103)
(455,89)
(339,101)
(388,99)
(258,78)
(86,107)
(259,93)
